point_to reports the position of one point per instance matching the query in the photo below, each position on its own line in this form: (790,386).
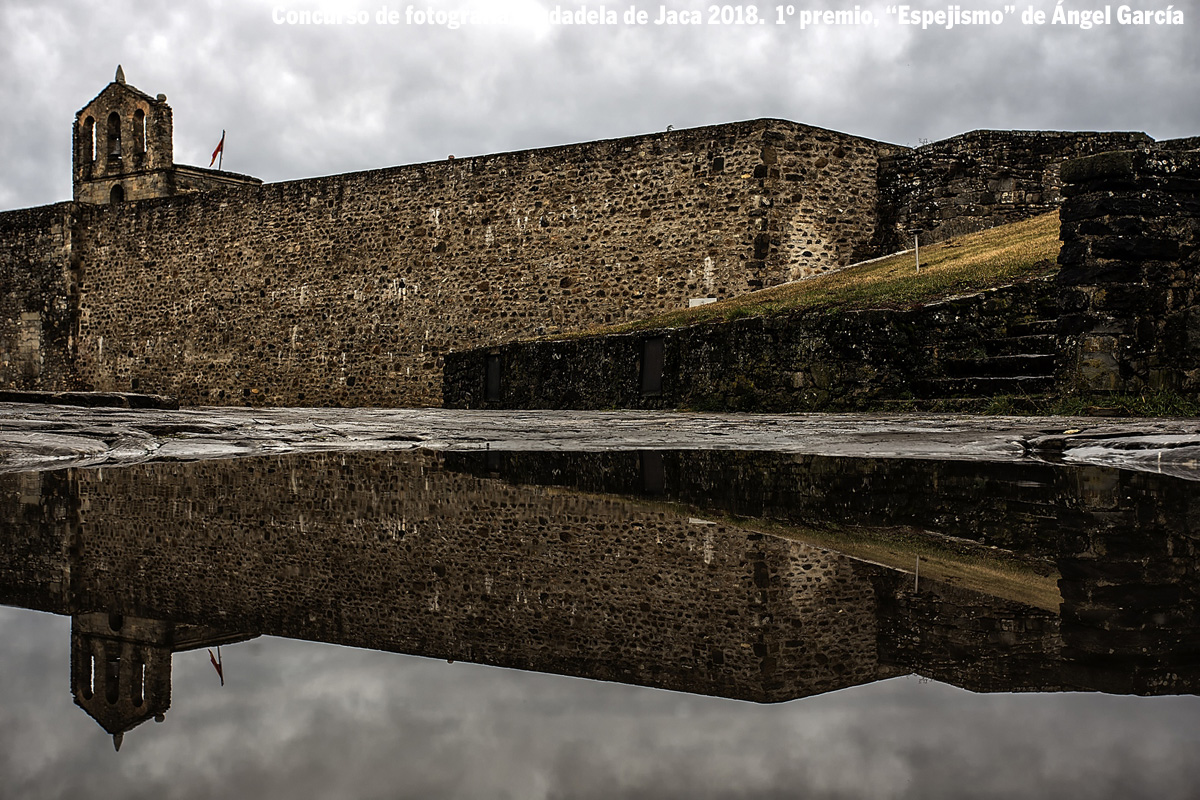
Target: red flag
(217,665)
(219,150)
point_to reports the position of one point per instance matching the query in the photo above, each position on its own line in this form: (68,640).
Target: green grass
(965,265)
(1148,404)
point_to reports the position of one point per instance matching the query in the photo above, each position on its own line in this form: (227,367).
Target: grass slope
(965,265)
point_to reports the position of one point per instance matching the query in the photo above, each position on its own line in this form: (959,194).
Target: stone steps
(1021,364)
(987,386)
(1038,327)
(1008,366)
(1035,343)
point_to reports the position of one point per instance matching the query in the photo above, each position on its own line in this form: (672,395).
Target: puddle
(869,611)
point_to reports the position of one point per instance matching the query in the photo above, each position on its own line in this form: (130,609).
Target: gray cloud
(301,101)
(305,720)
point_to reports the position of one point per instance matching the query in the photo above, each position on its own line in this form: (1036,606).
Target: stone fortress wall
(38,294)
(350,289)
(1121,316)
(803,360)
(1130,272)
(981,179)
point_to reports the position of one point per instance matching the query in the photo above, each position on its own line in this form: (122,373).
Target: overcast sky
(299,720)
(299,101)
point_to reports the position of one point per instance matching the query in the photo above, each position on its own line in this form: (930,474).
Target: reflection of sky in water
(297,719)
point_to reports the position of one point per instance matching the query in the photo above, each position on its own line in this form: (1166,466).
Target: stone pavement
(37,437)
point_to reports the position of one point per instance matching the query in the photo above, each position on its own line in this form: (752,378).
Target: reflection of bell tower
(120,670)
(121,666)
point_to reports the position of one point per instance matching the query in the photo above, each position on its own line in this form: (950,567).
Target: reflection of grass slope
(958,562)
(964,265)
(964,564)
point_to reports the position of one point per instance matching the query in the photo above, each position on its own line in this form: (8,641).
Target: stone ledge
(1129,163)
(91,399)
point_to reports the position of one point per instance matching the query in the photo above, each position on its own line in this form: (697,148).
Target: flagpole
(222,158)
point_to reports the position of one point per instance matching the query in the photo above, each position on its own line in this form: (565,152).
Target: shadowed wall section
(38,295)
(1130,273)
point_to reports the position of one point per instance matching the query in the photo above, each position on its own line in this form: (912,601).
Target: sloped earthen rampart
(806,360)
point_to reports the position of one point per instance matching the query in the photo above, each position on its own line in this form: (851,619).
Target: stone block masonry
(1130,273)
(979,180)
(349,290)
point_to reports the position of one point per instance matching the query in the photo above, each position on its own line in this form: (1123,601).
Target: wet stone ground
(285,587)
(34,437)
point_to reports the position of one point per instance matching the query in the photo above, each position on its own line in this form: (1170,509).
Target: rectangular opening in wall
(653,474)
(492,389)
(29,346)
(652,367)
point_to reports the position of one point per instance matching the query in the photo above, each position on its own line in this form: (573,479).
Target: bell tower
(123,146)
(121,666)
(121,670)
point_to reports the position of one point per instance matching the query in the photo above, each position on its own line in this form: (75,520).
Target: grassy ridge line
(975,567)
(968,264)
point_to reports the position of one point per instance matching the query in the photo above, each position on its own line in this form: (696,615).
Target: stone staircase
(1022,363)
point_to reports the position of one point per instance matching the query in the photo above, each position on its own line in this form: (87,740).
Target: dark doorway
(652,367)
(492,390)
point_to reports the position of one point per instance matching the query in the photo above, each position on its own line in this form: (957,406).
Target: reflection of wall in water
(38,518)
(395,553)
(968,638)
(1124,543)
(1010,505)
(121,670)
(1130,564)
(121,666)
